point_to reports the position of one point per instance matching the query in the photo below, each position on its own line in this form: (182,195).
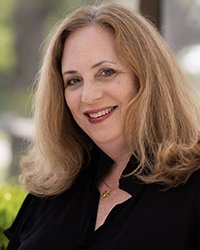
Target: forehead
(92,33)
(89,43)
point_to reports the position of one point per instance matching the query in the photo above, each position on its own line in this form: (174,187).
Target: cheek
(73,103)
(133,88)
(132,93)
(129,91)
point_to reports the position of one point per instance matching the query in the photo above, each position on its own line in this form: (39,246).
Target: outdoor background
(24,24)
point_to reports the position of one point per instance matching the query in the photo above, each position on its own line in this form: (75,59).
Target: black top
(151,219)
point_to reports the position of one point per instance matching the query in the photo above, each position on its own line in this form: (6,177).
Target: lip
(101,118)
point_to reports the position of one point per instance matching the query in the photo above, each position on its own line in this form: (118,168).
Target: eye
(108,72)
(72,82)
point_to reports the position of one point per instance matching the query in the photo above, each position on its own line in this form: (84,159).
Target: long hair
(161,124)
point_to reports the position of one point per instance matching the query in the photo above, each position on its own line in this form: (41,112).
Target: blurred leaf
(7,52)
(8,56)
(11,198)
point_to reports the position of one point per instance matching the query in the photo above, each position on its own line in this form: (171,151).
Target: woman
(115,161)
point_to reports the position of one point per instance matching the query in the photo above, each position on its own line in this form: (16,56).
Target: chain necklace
(107,192)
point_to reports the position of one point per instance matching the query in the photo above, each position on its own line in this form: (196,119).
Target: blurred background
(24,24)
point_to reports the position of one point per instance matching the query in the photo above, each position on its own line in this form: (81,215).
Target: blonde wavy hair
(161,123)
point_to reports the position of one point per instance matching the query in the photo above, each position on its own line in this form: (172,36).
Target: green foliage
(11,198)
(8,56)
(18,102)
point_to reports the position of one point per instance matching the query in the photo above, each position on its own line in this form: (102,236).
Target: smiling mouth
(101,113)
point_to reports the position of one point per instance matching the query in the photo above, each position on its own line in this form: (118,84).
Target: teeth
(101,113)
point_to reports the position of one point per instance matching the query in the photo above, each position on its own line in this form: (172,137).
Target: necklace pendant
(105,194)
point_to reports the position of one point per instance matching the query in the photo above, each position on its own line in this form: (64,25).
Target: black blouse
(151,219)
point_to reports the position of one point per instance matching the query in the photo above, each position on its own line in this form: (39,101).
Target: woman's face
(98,85)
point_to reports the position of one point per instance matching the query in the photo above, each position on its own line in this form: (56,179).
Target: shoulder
(34,207)
(194,181)
(192,185)
(190,191)
(27,207)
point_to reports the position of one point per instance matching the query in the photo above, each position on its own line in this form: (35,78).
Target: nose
(91,92)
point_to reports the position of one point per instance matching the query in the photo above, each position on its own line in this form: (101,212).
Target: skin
(98,87)
(95,80)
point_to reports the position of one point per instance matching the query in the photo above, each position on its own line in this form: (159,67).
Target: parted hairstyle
(161,123)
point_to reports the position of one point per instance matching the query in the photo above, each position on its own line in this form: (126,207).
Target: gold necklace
(107,193)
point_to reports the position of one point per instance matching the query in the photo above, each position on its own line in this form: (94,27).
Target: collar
(100,163)
(130,183)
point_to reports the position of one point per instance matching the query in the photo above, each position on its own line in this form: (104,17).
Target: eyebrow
(70,72)
(101,62)
(93,66)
